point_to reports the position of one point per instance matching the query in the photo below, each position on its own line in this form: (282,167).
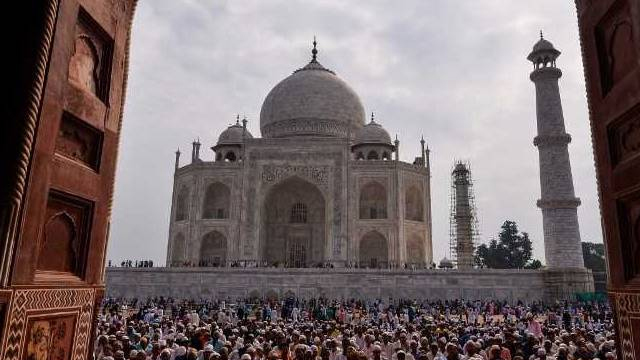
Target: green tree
(593,255)
(512,250)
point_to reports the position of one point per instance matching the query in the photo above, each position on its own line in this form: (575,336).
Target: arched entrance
(213,249)
(374,252)
(293,226)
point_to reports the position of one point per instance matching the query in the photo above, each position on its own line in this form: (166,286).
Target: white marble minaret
(558,201)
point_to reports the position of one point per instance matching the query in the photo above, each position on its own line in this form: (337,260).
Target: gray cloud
(454,71)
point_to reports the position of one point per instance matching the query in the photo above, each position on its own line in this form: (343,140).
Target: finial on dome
(422,139)
(314,51)
(373,120)
(237,119)
(541,37)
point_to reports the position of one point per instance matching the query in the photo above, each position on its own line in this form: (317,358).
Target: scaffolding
(463,220)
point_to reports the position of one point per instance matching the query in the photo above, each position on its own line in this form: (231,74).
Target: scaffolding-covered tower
(463,222)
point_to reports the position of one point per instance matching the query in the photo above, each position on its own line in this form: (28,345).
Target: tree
(512,250)
(593,255)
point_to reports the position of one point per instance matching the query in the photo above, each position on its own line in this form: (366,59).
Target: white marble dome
(372,133)
(234,135)
(312,101)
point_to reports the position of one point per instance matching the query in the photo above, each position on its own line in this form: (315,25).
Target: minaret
(397,144)
(558,201)
(177,158)
(193,151)
(422,153)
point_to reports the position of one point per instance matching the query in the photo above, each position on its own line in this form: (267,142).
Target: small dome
(312,101)
(543,44)
(234,134)
(543,51)
(372,133)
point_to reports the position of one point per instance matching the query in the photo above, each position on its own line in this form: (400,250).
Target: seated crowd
(323,329)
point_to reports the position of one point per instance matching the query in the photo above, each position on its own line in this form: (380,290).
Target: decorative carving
(65,234)
(317,174)
(624,136)
(614,40)
(35,301)
(90,64)
(629,215)
(60,238)
(559,204)
(79,141)
(306,127)
(552,140)
(627,306)
(49,338)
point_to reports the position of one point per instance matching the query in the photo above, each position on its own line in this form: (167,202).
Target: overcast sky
(453,70)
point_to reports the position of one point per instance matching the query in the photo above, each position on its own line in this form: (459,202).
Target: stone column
(558,201)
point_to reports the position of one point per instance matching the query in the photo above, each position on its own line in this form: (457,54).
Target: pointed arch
(59,249)
(178,250)
(216,204)
(294,224)
(182,204)
(373,201)
(414,204)
(373,155)
(415,250)
(373,250)
(213,249)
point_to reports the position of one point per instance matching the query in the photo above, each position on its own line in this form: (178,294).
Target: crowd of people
(323,329)
(133,263)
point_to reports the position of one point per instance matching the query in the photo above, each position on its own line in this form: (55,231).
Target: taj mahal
(321,186)
(322,205)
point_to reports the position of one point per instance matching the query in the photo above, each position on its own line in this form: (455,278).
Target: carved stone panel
(49,337)
(90,63)
(316,174)
(64,239)
(37,324)
(614,40)
(629,222)
(79,141)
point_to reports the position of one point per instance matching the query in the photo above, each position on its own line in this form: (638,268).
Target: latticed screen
(299,213)
(297,255)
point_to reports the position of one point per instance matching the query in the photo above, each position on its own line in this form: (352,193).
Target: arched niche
(182,204)
(230,156)
(217,201)
(414,204)
(373,250)
(373,201)
(415,250)
(178,250)
(293,224)
(83,65)
(213,249)
(59,249)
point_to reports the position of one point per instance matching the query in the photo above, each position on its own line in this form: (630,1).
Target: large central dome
(312,101)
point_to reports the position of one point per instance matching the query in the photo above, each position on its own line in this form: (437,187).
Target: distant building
(319,187)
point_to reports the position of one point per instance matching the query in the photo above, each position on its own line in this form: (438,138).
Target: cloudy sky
(453,70)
